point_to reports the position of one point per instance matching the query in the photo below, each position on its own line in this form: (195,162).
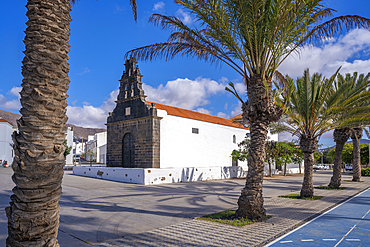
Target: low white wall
(147,176)
(128,175)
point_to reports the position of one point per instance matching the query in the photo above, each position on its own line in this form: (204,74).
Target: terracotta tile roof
(237,116)
(175,111)
(4,121)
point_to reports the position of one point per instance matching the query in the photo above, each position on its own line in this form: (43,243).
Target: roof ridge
(191,114)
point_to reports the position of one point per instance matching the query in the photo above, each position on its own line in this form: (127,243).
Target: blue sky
(103,31)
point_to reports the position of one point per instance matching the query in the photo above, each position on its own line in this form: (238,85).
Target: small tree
(67,149)
(276,152)
(91,155)
(347,153)
(271,154)
(288,152)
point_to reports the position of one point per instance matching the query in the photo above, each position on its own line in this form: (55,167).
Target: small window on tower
(234,139)
(128,111)
(195,130)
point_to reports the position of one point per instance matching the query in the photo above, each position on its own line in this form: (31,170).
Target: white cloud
(240,88)
(185,17)
(203,110)
(223,115)
(85,70)
(118,8)
(159,6)
(237,110)
(184,93)
(333,54)
(90,116)
(9,103)
(15,91)
(286,136)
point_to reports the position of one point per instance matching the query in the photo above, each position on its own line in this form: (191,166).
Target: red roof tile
(4,121)
(175,111)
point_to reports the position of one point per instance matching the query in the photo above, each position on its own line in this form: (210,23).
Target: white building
(79,146)
(6,142)
(98,145)
(69,138)
(151,143)
(193,139)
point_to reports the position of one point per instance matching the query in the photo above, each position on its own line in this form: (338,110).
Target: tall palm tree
(33,215)
(253,37)
(356,96)
(307,118)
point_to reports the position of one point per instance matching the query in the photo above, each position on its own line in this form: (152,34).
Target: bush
(365,172)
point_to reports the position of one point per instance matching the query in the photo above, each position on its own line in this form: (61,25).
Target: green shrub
(365,172)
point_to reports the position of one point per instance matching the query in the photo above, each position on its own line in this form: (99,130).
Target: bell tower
(133,127)
(130,82)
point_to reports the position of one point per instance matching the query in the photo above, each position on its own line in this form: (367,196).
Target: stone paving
(96,211)
(287,214)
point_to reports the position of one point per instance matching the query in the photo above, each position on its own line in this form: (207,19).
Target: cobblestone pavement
(287,214)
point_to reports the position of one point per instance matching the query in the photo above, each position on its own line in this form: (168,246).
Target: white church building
(152,143)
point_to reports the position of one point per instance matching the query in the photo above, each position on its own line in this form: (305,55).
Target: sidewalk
(287,214)
(95,211)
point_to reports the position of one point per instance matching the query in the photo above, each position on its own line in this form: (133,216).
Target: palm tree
(33,215)
(311,100)
(356,96)
(253,37)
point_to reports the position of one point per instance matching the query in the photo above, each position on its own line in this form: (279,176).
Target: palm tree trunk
(258,111)
(33,215)
(356,166)
(308,147)
(340,137)
(251,201)
(335,180)
(270,169)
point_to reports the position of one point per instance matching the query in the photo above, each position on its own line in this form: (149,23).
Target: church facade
(143,134)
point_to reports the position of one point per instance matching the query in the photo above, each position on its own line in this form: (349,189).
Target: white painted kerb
(147,176)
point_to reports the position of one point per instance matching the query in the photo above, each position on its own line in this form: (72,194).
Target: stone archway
(128,151)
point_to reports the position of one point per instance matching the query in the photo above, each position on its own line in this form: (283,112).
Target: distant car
(5,164)
(76,158)
(349,167)
(326,167)
(318,167)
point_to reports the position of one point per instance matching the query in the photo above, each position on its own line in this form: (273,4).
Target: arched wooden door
(128,151)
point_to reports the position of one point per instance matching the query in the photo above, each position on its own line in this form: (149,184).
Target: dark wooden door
(128,151)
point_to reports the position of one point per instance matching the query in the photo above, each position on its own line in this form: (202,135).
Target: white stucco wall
(103,154)
(211,147)
(69,138)
(6,150)
(101,141)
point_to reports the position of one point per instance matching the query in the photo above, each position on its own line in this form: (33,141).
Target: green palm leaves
(353,108)
(305,114)
(318,105)
(252,36)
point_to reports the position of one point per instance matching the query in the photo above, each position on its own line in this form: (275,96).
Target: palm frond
(233,91)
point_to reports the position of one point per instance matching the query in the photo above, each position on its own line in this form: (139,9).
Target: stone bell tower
(133,126)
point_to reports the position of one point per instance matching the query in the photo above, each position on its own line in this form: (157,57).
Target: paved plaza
(107,213)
